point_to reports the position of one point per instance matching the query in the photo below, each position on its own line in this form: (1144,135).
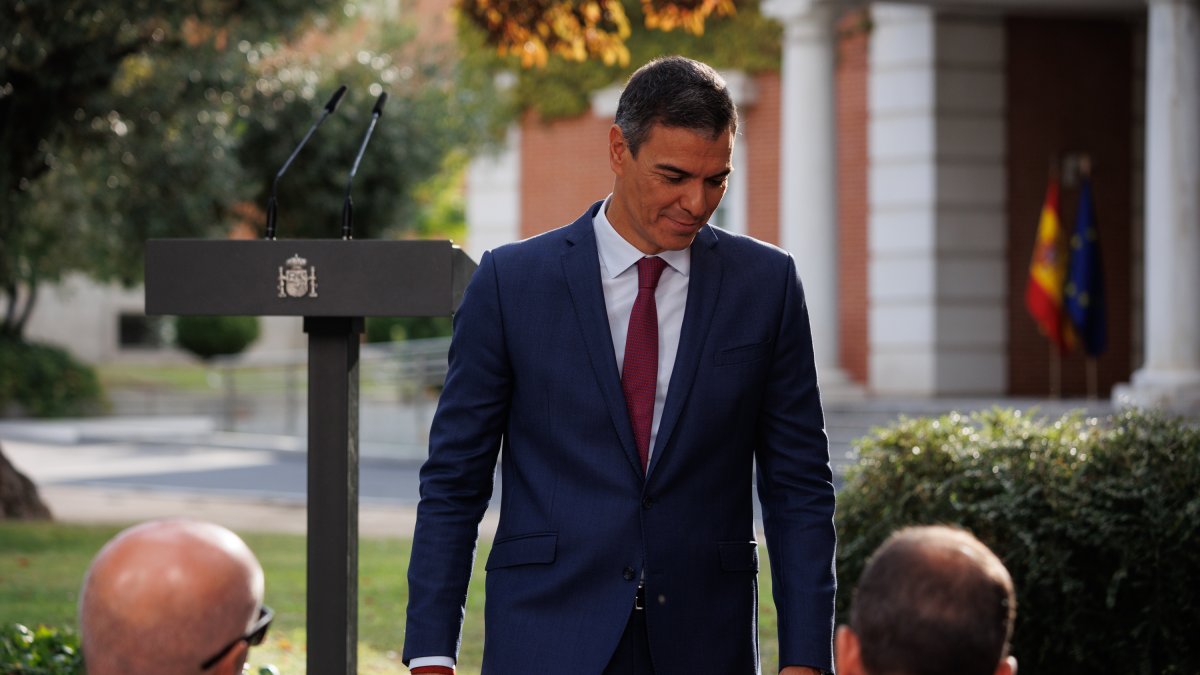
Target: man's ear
(1008,666)
(232,663)
(848,651)
(618,151)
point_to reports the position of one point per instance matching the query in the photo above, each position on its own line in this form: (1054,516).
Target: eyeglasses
(258,632)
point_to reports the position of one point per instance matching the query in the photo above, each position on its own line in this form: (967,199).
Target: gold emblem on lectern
(298,280)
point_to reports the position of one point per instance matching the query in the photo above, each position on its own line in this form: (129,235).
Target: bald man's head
(164,596)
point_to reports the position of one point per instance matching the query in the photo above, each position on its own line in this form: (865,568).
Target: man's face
(662,197)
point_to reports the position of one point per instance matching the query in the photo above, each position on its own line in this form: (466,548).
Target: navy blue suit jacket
(533,377)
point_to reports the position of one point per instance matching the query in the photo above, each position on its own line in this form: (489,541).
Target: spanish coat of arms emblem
(298,280)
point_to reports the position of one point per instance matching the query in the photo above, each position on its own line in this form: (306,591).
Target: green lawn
(190,377)
(199,378)
(41,566)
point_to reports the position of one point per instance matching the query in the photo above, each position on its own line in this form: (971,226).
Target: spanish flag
(1047,272)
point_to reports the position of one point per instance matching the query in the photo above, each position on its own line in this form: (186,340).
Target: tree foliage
(436,108)
(578,30)
(124,120)
(562,85)
(77,93)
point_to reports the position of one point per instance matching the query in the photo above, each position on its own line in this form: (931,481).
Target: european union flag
(1083,296)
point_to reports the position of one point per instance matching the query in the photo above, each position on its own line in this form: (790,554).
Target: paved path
(127,469)
(245,489)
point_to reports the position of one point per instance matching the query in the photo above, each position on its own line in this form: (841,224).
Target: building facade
(902,154)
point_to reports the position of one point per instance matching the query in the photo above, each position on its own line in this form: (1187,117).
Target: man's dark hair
(676,92)
(933,601)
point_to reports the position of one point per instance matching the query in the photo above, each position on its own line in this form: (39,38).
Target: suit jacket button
(628,574)
(647,503)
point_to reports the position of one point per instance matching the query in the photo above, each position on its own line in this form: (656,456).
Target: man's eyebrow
(671,168)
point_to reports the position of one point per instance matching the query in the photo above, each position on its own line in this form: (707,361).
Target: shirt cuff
(442,665)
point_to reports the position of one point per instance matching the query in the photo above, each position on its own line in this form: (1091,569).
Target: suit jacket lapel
(703,288)
(581,267)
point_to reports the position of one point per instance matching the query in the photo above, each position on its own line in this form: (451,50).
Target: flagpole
(1085,169)
(1055,372)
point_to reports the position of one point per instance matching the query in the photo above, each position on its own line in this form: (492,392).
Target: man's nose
(692,199)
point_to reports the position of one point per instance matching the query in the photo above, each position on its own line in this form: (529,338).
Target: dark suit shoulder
(537,245)
(733,245)
(553,242)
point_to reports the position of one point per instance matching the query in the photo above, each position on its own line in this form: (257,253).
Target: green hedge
(51,651)
(1097,520)
(209,336)
(45,381)
(44,651)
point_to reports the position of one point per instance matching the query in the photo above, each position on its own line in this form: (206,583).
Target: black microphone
(326,112)
(348,204)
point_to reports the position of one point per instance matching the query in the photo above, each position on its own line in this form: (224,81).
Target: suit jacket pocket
(525,549)
(743,354)
(739,556)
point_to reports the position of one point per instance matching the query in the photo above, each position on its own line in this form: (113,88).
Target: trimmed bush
(44,651)
(1098,522)
(51,651)
(209,336)
(45,381)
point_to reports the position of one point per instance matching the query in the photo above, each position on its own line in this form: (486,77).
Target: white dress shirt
(618,274)
(619,277)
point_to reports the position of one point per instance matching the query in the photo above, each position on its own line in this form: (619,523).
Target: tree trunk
(19,498)
(10,311)
(16,312)
(31,295)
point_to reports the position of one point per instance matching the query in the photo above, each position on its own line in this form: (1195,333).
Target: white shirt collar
(618,255)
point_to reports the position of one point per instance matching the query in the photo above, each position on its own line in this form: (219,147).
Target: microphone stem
(271,204)
(347,205)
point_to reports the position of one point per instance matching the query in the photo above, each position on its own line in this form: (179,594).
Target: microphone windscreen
(335,99)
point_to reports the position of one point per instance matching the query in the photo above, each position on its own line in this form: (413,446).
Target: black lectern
(333,284)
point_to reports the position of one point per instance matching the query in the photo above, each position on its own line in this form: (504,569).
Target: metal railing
(266,393)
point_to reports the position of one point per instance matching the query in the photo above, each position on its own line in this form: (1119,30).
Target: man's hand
(799,670)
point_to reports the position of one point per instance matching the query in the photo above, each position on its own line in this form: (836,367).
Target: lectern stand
(333,284)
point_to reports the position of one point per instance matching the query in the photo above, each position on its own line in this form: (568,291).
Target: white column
(937,223)
(808,225)
(494,197)
(1170,377)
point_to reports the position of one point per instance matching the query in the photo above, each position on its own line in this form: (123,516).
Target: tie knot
(649,271)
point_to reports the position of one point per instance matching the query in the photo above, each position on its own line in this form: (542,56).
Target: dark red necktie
(639,373)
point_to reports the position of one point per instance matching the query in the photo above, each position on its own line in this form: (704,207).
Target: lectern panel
(305,277)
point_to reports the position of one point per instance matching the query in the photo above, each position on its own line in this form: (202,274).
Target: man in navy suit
(636,368)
